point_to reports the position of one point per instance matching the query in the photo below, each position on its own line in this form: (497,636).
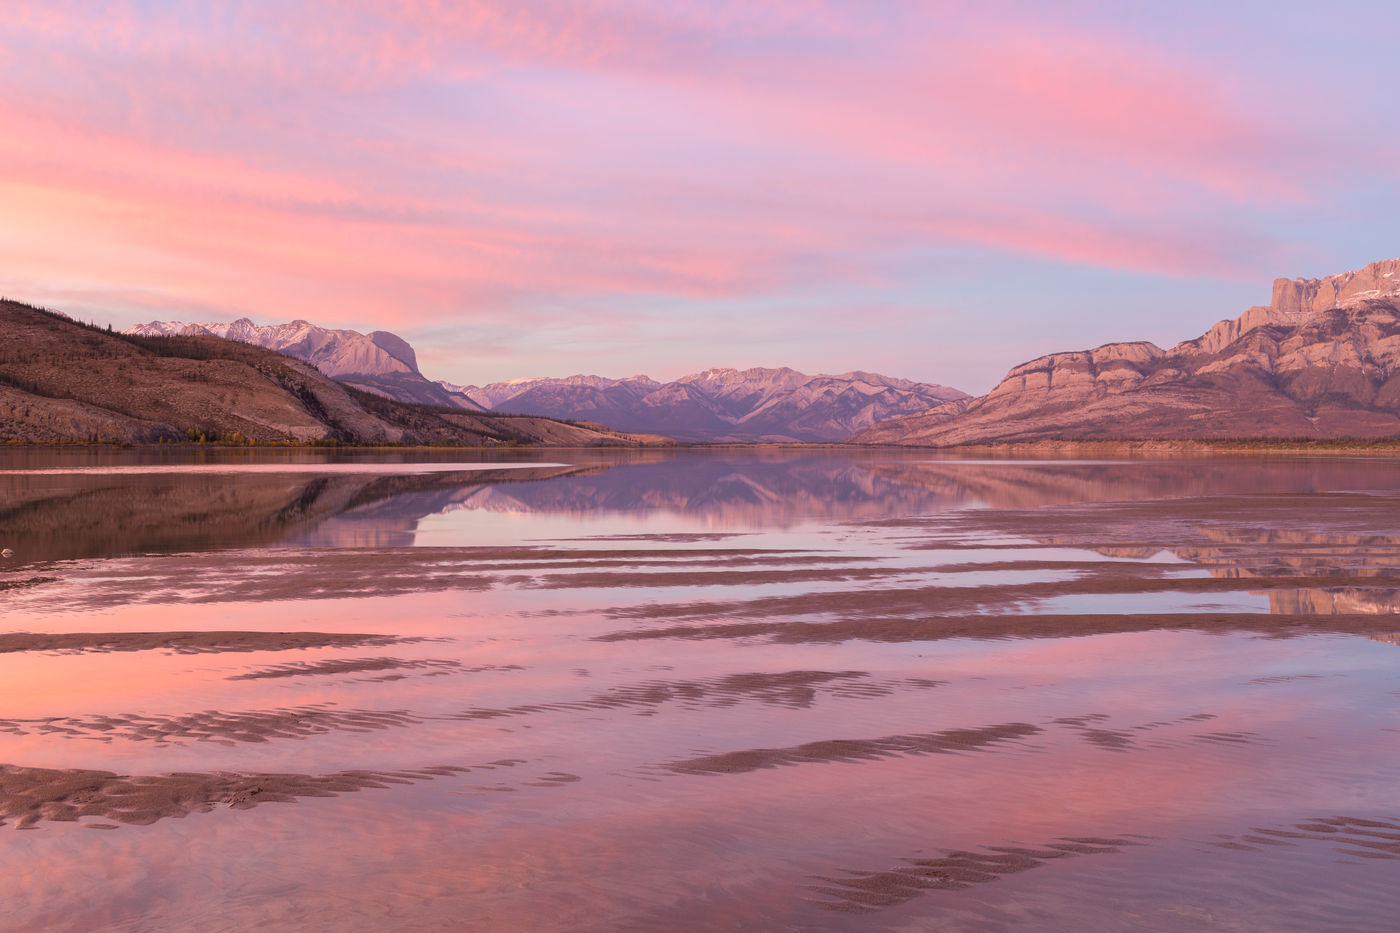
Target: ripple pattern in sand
(791,689)
(221,727)
(29,796)
(867,891)
(854,750)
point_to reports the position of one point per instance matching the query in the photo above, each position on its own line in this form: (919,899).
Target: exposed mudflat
(827,691)
(185,642)
(828,750)
(226,727)
(31,795)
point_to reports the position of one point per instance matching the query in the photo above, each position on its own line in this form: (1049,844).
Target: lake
(701,690)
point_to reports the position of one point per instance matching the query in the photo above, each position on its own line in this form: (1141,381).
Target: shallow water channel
(702,690)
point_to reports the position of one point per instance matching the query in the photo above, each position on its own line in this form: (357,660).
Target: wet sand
(792,689)
(186,642)
(31,795)
(294,574)
(358,666)
(952,740)
(935,600)
(1028,625)
(225,727)
(859,891)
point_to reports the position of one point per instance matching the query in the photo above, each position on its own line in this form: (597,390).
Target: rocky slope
(381,362)
(1322,359)
(65,382)
(720,404)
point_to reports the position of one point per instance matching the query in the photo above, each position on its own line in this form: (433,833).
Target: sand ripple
(864,891)
(849,750)
(188,642)
(361,665)
(792,689)
(31,795)
(226,728)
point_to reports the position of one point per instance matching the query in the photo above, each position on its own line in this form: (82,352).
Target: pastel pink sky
(931,190)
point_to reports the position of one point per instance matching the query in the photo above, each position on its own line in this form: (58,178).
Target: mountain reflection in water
(56,517)
(1242,520)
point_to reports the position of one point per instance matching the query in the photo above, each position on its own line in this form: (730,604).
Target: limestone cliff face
(1321,360)
(1347,290)
(1296,299)
(1112,366)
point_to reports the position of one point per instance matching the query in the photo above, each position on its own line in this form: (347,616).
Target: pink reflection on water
(578,811)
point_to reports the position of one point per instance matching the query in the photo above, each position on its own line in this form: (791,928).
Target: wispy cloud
(429,164)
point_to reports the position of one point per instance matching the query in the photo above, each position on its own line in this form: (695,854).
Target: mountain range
(720,405)
(66,382)
(1321,360)
(717,405)
(379,362)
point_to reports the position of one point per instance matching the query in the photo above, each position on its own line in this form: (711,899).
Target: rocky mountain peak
(1294,300)
(1321,360)
(720,404)
(1294,297)
(380,362)
(395,346)
(334,352)
(755,379)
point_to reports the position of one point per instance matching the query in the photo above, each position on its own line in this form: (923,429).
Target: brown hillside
(66,382)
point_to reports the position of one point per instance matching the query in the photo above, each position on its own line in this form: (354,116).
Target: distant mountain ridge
(719,405)
(1322,359)
(379,362)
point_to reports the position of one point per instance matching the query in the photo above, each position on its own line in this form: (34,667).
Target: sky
(932,190)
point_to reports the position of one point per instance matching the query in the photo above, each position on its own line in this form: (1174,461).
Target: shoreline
(1176,447)
(1120,447)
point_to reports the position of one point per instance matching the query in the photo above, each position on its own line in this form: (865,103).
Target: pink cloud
(406,162)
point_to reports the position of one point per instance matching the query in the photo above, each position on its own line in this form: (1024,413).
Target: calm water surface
(706,690)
